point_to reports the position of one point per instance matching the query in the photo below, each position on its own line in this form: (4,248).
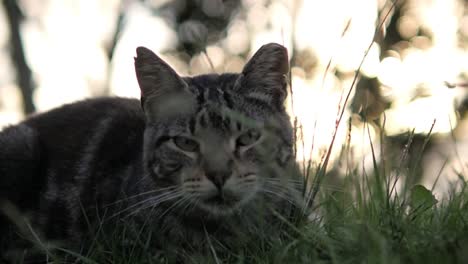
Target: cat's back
(101,126)
(79,117)
(74,125)
(70,140)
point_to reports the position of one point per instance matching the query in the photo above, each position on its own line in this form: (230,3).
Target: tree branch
(23,73)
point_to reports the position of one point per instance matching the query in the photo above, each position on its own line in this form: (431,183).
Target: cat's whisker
(145,177)
(147,200)
(190,205)
(279,193)
(281,187)
(283,184)
(285,179)
(155,201)
(281,196)
(279,182)
(301,183)
(176,204)
(139,195)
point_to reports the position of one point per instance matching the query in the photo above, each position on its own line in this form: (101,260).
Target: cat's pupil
(248,138)
(186,144)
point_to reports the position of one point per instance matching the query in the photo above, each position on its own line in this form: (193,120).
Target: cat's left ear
(265,76)
(163,91)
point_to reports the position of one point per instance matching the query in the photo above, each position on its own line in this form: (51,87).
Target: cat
(209,156)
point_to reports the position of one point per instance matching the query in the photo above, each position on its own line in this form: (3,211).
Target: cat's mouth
(222,200)
(218,199)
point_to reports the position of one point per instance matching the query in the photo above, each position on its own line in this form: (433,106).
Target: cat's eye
(248,138)
(172,167)
(185,143)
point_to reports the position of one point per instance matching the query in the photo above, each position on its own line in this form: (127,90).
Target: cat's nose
(218,169)
(218,178)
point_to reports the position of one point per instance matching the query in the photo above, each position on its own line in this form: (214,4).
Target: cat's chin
(221,204)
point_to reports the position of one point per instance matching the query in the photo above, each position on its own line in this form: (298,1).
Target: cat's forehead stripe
(211,95)
(216,94)
(209,117)
(213,88)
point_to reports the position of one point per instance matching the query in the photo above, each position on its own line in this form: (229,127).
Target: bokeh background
(404,65)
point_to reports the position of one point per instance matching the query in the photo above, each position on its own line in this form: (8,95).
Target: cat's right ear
(162,89)
(264,77)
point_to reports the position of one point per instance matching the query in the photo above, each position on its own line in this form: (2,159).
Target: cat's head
(218,142)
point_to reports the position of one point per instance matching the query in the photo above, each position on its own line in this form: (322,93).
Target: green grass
(360,221)
(349,230)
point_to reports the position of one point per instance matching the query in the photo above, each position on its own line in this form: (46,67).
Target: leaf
(421,197)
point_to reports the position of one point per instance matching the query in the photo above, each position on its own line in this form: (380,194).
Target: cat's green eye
(185,143)
(248,138)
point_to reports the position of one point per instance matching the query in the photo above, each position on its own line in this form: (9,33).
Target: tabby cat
(197,159)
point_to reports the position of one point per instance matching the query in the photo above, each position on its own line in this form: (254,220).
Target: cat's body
(208,156)
(90,160)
